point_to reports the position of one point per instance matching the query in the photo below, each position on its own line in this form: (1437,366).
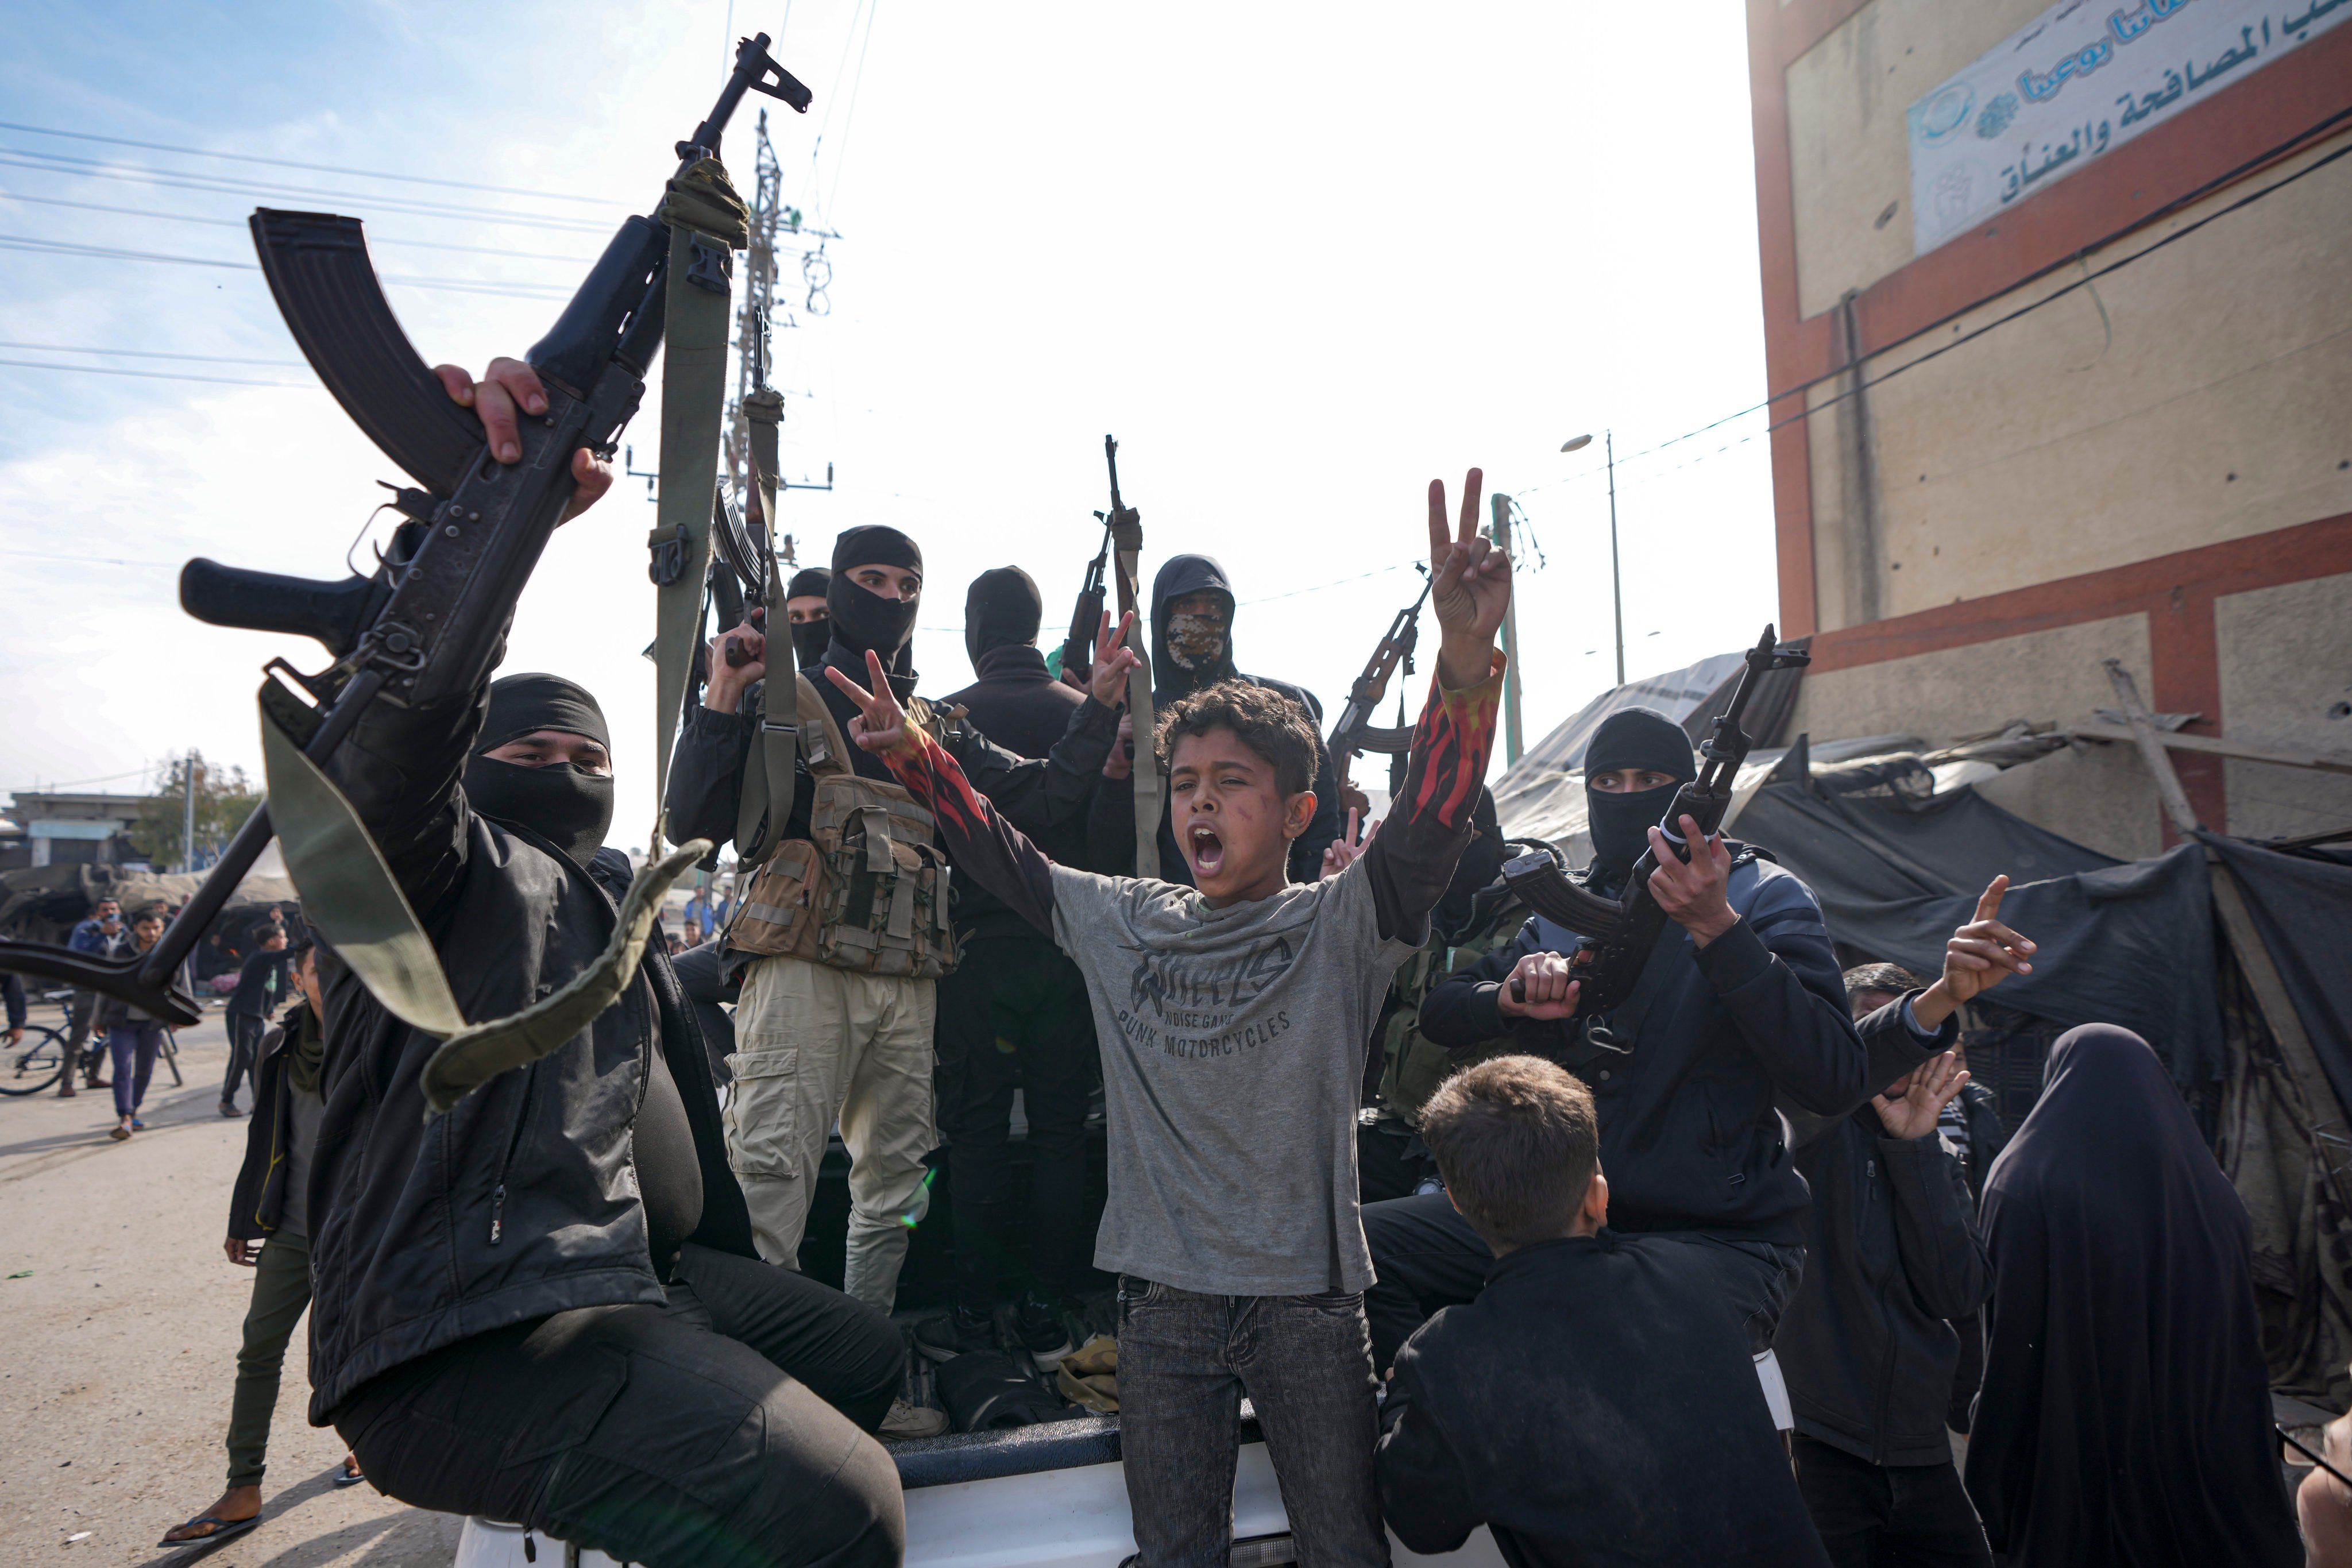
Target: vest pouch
(778,914)
(884,893)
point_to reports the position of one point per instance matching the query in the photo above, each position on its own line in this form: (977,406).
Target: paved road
(123,1334)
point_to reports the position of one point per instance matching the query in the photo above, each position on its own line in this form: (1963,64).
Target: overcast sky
(1300,258)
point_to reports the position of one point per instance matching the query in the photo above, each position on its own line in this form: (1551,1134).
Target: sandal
(349,1474)
(119,1133)
(222,1530)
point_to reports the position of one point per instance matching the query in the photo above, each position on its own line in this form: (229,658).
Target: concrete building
(86,829)
(2068,289)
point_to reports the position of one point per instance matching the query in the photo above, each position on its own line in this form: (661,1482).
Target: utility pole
(1499,507)
(1616,592)
(188,813)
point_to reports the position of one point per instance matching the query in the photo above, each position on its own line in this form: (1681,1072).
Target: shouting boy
(1233,1014)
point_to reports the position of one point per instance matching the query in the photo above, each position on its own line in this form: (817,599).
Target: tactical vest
(867,889)
(1415,1065)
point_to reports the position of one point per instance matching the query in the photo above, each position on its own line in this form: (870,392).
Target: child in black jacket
(1595,1405)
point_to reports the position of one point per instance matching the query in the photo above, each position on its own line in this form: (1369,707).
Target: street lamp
(1616,592)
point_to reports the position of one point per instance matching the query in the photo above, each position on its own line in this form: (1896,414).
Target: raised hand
(507,385)
(1694,893)
(1909,1109)
(879,725)
(1348,848)
(1980,955)
(1538,988)
(1470,586)
(723,692)
(1113,660)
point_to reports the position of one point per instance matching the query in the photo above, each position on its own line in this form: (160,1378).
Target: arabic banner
(2085,76)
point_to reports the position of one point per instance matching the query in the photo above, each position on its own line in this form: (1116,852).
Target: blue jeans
(133,1046)
(1305,1362)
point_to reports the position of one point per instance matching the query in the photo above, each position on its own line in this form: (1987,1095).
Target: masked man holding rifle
(1742,999)
(545,1305)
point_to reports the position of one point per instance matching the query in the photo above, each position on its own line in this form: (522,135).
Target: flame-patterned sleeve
(982,844)
(1428,826)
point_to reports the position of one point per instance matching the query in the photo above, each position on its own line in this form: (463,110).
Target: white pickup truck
(1050,1496)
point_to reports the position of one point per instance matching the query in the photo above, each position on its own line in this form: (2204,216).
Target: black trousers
(1427,1257)
(245,1032)
(1014,1014)
(1888,1516)
(729,1427)
(699,978)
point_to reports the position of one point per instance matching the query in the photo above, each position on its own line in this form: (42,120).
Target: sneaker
(1040,1327)
(907,1421)
(947,1335)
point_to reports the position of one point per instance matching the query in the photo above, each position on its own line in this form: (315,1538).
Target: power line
(374,239)
(315,168)
(39,246)
(849,119)
(84,168)
(71,784)
(153,354)
(148,376)
(2282,150)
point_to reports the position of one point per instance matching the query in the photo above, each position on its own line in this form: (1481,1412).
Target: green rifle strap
(471,1057)
(1148,786)
(694,398)
(768,773)
(348,896)
(352,901)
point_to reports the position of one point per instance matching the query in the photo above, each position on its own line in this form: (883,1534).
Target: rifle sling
(769,773)
(351,899)
(1148,786)
(694,397)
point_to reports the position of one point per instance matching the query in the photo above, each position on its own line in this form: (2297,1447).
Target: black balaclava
(1186,657)
(862,621)
(1002,608)
(810,637)
(569,808)
(1631,738)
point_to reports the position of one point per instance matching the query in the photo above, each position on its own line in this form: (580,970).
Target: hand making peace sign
(1470,587)
(880,726)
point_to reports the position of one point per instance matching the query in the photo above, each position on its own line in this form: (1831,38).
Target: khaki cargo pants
(814,1046)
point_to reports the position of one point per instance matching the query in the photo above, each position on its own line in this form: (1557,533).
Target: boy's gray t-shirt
(1233,1051)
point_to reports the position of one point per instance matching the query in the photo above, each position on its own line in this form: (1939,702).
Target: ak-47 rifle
(1620,931)
(1355,734)
(424,624)
(1124,525)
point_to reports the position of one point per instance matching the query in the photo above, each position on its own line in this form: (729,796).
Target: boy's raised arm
(993,852)
(1428,824)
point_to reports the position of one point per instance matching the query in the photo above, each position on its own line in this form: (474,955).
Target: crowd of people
(1714,1282)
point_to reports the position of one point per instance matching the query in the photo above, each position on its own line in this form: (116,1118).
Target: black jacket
(1110,829)
(1689,1133)
(1595,1405)
(522,1200)
(706,771)
(261,984)
(11,992)
(1892,1254)
(257,1199)
(1017,703)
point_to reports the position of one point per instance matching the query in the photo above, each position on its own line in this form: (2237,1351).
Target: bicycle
(35,1062)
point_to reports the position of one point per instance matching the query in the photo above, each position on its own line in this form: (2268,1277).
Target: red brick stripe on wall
(2174,592)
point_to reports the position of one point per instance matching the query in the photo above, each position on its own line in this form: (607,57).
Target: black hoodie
(1111,833)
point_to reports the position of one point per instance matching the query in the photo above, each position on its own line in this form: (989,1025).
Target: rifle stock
(426,622)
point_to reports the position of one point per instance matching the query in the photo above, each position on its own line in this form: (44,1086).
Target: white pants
(815,1046)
